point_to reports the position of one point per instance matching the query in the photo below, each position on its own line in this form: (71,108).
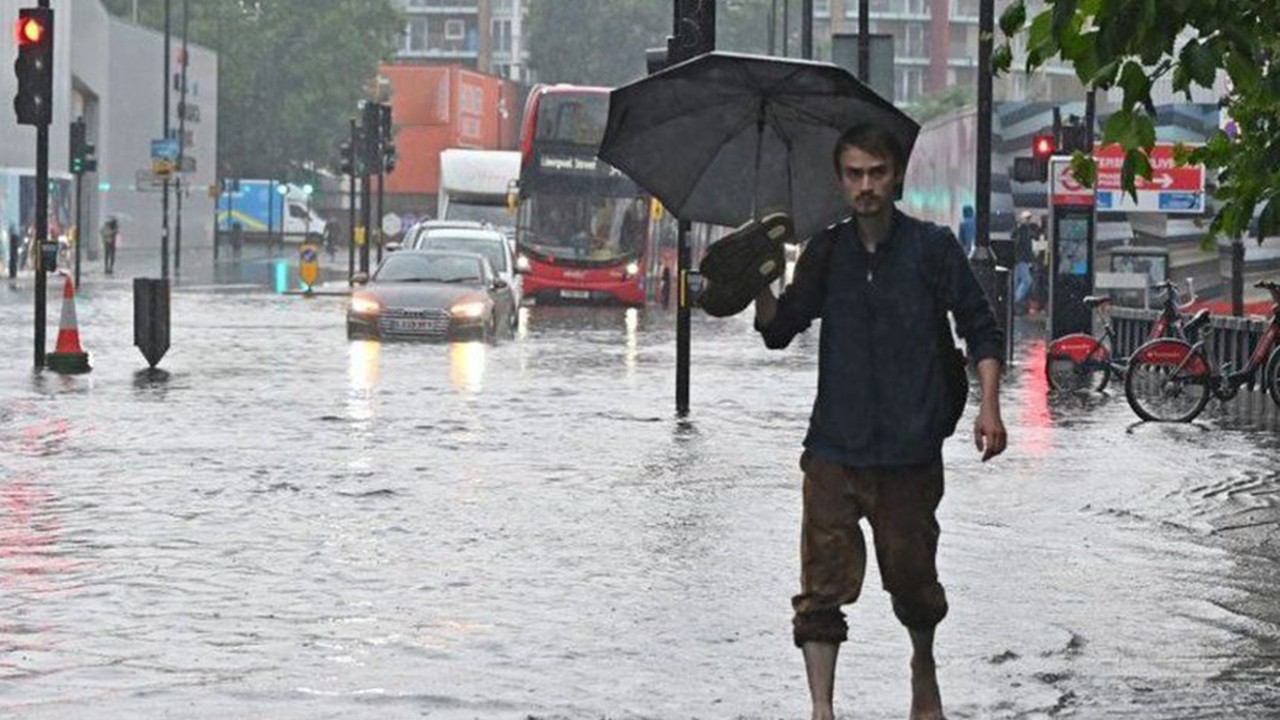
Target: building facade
(482,35)
(935,47)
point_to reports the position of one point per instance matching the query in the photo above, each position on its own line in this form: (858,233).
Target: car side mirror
(522,265)
(360,278)
(499,284)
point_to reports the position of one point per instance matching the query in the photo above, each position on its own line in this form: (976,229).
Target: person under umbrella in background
(882,282)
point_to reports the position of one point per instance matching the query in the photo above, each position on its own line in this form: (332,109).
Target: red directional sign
(1166,176)
(1171,189)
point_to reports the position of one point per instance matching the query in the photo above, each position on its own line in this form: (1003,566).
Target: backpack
(955,375)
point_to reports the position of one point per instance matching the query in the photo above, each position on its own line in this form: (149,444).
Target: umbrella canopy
(724,137)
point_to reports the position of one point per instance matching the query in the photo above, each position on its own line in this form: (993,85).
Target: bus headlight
(632,269)
(365,305)
(467,310)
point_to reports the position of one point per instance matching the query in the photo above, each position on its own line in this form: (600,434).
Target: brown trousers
(899,504)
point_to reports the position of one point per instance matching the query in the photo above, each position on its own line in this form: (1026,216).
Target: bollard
(151,318)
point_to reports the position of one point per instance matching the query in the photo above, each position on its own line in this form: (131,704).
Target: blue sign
(1103,199)
(166,149)
(1179,201)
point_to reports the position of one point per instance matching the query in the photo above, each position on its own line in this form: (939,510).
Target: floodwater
(283,524)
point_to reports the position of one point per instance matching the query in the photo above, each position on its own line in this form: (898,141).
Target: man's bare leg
(926,701)
(820,666)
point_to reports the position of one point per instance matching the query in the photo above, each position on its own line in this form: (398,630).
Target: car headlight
(632,269)
(469,310)
(365,306)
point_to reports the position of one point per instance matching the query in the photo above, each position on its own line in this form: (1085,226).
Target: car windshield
(430,268)
(494,249)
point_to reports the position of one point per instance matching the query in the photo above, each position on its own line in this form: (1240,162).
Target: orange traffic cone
(68,358)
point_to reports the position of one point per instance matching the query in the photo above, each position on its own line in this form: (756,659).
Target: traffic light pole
(365,221)
(42,231)
(382,178)
(164,201)
(42,227)
(79,227)
(182,145)
(351,207)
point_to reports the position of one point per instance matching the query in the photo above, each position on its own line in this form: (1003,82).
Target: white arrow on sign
(1163,181)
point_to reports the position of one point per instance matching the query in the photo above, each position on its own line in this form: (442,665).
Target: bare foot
(824,712)
(926,701)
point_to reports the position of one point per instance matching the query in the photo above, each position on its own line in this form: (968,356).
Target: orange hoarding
(435,107)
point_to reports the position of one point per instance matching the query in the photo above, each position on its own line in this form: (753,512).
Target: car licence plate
(575,294)
(410,325)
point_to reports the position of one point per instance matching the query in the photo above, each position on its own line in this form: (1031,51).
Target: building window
(913,47)
(500,35)
(415,35)
(501,7)
(822,8)
(965,8)
(908,85)
(454,30)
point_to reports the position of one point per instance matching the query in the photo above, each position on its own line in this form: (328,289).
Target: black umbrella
(724,137)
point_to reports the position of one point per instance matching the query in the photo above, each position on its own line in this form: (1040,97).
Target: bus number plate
(575,294)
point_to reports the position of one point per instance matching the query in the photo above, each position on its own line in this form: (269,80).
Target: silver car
(492,244)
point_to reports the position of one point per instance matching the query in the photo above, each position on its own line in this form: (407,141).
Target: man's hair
(873,140)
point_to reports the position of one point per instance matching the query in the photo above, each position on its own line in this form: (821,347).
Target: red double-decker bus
(588,233)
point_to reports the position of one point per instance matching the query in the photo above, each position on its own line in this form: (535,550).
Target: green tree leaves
(1132,43)
(291,72)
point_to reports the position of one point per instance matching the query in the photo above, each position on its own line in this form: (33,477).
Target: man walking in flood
(881,282)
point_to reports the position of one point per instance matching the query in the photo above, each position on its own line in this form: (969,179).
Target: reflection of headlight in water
(366,356)
(632,320)
(466,365)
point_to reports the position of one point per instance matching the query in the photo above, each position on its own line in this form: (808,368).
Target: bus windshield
(577,118)
(586,227)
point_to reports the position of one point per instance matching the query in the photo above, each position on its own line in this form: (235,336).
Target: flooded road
(283,524)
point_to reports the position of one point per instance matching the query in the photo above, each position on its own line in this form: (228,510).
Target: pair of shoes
(741,264)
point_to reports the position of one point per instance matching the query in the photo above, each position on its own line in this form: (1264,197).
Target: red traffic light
(1042,146)
(30,31)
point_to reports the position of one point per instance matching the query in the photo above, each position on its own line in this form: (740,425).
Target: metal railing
(1233,341)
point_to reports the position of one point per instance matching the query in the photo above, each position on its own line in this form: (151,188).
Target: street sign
(1066,190)
(309,264)
(165,148)
(391,224)
(1172,188)
(148,180)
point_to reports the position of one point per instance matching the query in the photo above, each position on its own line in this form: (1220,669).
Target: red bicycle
(1081,361)
(1171,381)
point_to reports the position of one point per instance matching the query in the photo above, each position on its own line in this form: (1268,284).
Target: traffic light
(387,137)
(371,147)
(1042,147)
(695,30)
(346,161)
(34,67)
(81,154)
(389,157)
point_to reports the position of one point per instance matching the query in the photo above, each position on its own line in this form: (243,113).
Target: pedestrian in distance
(110,234)
(888,395)
(237,239)
(968,231)
(1024,237)
(664,287)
